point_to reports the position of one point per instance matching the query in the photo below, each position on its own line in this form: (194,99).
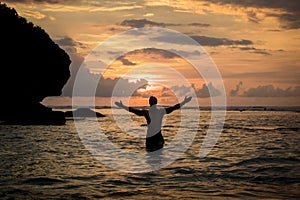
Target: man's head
(152,100)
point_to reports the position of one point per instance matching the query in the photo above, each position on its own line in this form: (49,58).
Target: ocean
(257,156)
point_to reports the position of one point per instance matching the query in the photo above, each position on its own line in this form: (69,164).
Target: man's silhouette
(154,117)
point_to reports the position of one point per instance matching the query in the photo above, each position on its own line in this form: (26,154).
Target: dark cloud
(182,90)
(199,24)
(67,41)
(285,74)
(211,41)
(271,91)
(274,30)
(264,91)
(172,38)
(161,52)
(171,53)
(255,50)
(207,91)
(114,52)
(125,61)
(236,91)
(252,17)
(140,23)
(202,40)
(291,6)
(107,87)
(289,20)
(289,16)
(186,53)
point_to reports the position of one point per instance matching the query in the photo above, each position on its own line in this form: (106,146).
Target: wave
(261,160)
(43,181)
(257,128)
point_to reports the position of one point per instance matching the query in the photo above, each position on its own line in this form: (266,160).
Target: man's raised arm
(130,109)
(179,105)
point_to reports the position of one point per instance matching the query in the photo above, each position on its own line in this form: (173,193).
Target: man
(154,117)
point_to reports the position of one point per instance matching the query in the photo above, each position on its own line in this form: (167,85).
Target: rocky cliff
(32,67)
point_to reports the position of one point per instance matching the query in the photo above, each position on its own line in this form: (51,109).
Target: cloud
(252,17)
(113,8)
(66,41)
(290,18)
(186,53)
(105,86)
(34,14)
(202,40)
(271,91)
(290,21)
(140,23)
(207,91)
(125,61)
(148,90)
(166,92)
(172,53)
(161,52)
(290,6)
(236,91)
(255,50)
(182,90)
(40,1)
(148,15)
(287,12)
(81,5)
(52,18)
(212,41)
(172,38)
(199,24)
(69,42)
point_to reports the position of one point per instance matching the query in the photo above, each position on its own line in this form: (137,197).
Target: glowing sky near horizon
(251,42)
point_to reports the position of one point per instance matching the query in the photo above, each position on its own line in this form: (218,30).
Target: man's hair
(152,100)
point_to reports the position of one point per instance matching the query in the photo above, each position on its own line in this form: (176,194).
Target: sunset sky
(254,44)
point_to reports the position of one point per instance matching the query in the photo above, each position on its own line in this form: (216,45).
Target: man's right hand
(187,99)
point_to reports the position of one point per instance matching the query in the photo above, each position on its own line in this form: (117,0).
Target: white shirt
(156,114)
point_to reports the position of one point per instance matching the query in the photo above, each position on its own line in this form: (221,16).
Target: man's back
(156,114)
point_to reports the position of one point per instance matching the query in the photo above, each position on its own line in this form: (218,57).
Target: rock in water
(83,112)
(32,68)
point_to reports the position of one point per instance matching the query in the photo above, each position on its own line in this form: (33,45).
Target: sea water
(257,156)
